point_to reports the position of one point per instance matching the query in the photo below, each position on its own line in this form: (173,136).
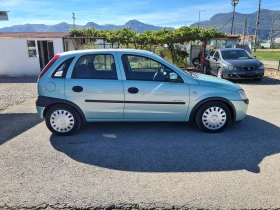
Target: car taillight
(50,63)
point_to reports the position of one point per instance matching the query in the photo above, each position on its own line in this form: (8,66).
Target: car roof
(77,52)
(229,49)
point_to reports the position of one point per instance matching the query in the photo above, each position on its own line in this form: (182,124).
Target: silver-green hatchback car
(132,85)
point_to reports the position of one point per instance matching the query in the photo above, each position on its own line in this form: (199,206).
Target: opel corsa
(132,85)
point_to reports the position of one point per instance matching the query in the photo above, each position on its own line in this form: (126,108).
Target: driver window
(143,68)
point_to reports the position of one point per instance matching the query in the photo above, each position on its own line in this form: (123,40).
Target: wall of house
(15,60)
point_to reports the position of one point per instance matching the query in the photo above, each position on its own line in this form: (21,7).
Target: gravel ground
(16,90)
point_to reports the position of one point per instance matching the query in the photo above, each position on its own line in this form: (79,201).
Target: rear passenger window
(95,67)
(62,69)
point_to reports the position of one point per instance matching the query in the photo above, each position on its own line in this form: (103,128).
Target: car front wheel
(213,117)
(63,120)
(220,73)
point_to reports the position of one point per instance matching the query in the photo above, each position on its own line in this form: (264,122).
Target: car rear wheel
(196,62)
(206,70)
(213,117)
(63,120)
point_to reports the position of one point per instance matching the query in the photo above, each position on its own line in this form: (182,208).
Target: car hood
(216,82)
(243,62)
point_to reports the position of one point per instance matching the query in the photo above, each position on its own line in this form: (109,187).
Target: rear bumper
(40,111)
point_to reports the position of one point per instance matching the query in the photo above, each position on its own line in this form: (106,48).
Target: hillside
(64,27)
(219,20)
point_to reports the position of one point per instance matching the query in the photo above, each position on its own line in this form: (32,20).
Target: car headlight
(261,67)
(242,94)
(230,68)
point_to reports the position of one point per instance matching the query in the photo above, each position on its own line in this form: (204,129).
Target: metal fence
(271,64)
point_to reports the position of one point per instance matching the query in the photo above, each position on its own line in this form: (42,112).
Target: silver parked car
(233,63)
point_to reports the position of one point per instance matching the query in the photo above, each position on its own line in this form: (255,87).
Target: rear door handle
(133,90)
(77,89)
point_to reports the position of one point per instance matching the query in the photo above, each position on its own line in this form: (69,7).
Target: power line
(225,24)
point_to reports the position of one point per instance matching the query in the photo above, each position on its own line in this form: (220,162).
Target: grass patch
(267,55)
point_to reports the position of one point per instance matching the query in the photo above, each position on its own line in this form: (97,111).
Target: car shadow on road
(12,125)
(171,147)
(30,79)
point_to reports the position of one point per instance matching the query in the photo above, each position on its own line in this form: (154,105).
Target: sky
(172,13)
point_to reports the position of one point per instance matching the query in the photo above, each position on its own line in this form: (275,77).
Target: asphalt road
(144,165)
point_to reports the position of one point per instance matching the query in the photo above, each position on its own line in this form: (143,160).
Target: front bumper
(240,73)
(243,76)
(241,108)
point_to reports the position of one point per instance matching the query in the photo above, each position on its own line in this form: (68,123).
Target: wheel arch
(49,102)
(213,99)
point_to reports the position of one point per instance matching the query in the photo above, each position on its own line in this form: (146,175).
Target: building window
(31,48)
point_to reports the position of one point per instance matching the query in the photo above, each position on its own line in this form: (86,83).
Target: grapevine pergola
(127,37)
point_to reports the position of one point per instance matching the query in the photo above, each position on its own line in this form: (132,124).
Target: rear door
(94,85)
(149,95)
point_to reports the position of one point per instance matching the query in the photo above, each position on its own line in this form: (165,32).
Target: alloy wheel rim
(214,118)
(219,73)
(62,121)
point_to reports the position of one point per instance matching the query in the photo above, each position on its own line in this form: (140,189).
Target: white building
(277,40)
(26,54)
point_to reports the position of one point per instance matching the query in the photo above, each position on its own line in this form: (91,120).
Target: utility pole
(272,29)
(233,3)
(74,25)
(257,26)
(245,29)
(199,16)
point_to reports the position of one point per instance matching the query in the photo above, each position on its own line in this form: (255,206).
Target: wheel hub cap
(62,121)
(214,118)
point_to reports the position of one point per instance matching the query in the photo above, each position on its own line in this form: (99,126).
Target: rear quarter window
(61,70)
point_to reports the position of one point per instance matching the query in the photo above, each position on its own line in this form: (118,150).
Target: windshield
(235,55)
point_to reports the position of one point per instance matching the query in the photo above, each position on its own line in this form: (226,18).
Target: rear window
(61,70)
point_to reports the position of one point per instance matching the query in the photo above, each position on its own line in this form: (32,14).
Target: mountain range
(265,23)
(65,27)
(221,21)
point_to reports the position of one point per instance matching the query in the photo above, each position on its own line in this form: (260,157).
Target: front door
(149,95)
(94,86)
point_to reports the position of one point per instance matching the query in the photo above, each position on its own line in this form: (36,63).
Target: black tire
(206,70)
(216,121)
(68,115)
(196,62)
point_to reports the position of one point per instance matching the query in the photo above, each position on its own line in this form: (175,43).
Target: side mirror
(173,77)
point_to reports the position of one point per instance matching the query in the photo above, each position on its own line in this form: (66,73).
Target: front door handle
(133,90)
(77,89)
